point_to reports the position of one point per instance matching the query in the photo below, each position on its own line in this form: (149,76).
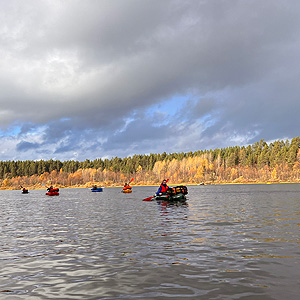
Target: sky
(98,79)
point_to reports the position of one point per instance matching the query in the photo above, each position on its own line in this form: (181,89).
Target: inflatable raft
(173,194)
(53,192)
(97,189)
(171,198)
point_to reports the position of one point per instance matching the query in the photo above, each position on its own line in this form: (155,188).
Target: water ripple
(226,242)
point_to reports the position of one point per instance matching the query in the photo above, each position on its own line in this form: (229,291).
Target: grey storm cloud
(24,146)
(141,129)
(76,71)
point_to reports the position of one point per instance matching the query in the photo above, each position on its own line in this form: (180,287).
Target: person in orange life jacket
(127,186)
(162,190)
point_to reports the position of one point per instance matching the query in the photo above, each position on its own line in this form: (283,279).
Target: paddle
(44,186)
(150,198)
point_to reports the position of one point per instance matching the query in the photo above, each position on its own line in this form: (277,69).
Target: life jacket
(163,188)
(126,187)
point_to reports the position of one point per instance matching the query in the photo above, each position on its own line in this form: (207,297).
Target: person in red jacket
(127,186)
(162,190)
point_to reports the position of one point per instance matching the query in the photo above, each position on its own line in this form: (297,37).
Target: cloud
(73,73)
(24,146)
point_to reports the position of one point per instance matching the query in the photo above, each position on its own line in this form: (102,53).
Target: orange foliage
(194,169)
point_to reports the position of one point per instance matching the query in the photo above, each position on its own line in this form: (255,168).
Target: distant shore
(88,186)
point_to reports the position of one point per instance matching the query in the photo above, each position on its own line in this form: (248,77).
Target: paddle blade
(148,199)
(131,180)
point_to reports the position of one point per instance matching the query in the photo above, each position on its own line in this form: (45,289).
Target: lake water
(226,242)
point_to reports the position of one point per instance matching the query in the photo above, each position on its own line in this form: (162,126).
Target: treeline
(260,162)
(127,165)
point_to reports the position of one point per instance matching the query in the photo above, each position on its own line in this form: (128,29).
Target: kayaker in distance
(162,190)
(24,191)
(127,186)
(52,191)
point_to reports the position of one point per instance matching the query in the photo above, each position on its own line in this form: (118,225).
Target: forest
(261,162)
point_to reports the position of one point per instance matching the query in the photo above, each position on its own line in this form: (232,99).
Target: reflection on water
(225,242)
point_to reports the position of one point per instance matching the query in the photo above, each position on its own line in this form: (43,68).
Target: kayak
(99,189)
(127,191)
(53,192)
(25,192)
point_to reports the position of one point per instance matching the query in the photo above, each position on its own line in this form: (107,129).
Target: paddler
(127,186)
(162,190)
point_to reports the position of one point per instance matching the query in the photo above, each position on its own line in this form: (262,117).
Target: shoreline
(148,185)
